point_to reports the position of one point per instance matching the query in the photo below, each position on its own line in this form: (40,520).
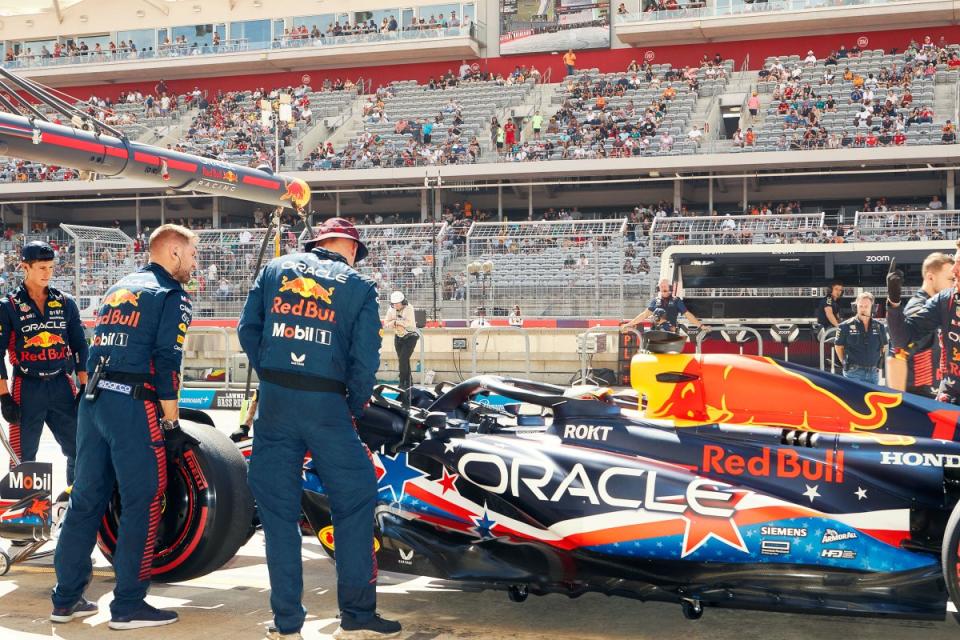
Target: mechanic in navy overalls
(311,329)
(671,304)
(942,311)
(861,342)
(41,329)
(127,416)
(917,370)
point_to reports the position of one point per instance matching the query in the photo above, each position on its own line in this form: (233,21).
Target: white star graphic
(861,493)
(449,447)
(812,492)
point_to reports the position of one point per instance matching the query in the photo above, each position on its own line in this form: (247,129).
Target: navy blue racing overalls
(311,329)
(44,347)
(139,335)
(939,312)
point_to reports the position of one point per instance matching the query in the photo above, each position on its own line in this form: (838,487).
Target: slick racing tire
(950,557)
(206,510)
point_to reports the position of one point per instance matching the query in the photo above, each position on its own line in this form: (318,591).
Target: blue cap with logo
(37,250)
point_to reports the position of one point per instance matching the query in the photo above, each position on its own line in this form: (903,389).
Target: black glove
(176,441)
(894,282)
(9,409)
(81,389)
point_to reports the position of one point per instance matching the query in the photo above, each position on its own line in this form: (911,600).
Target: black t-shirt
(821,313)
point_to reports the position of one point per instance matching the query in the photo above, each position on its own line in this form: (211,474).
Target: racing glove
(894,283)
(176,440)
(9,409)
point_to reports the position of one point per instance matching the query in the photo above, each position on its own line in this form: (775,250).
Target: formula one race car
(726,480)
(588,493)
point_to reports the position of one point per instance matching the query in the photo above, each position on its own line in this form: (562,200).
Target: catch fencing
(562,268)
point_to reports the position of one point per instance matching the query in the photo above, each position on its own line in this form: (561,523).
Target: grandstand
(463,159)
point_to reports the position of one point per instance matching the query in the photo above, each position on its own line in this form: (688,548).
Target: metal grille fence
(226,259)
(96,258)
(565,268)
(401,259)
(890,226)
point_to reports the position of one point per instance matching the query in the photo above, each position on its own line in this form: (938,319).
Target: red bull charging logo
(307,288)
(749,390)
(297,192)
(121,296)
(42,340)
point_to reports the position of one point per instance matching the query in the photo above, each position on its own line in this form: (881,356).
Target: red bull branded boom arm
(40,141)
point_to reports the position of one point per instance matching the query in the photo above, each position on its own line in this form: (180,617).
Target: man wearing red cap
(311,329)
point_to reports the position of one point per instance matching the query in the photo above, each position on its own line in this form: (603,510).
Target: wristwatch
(169,425)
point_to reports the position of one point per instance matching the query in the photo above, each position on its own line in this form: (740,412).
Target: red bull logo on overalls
(117,316)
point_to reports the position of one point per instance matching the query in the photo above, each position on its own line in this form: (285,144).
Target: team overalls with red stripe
(43,346)
(920,325)
(139,335)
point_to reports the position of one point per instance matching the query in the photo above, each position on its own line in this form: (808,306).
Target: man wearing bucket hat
(401,319)
(311,329)
(42,328)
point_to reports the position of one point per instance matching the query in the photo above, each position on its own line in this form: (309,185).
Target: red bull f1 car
(728,481)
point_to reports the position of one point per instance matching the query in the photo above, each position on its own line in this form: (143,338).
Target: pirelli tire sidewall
(950,557)
(207,510)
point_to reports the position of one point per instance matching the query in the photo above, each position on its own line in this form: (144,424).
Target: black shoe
(375,627)
(81,609)
(145,616)
(241,434)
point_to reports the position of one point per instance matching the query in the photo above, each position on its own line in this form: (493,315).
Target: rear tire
(950,558)
(207,510)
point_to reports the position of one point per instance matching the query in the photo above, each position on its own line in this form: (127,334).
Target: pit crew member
(311,329)
(128,426)
(45,341)
(939,312)
(917,371)
(827,313)
(671,304)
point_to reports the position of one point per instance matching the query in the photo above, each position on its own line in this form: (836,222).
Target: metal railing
(723,230)
(240,45)
(722,8)
(930,224)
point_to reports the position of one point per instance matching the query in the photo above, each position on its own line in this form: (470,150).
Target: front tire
(206,514)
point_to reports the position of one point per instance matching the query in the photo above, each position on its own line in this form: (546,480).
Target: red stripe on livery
(83,145)
(260,182)
(151,159)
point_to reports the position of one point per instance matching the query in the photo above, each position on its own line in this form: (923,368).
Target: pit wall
(499,350)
